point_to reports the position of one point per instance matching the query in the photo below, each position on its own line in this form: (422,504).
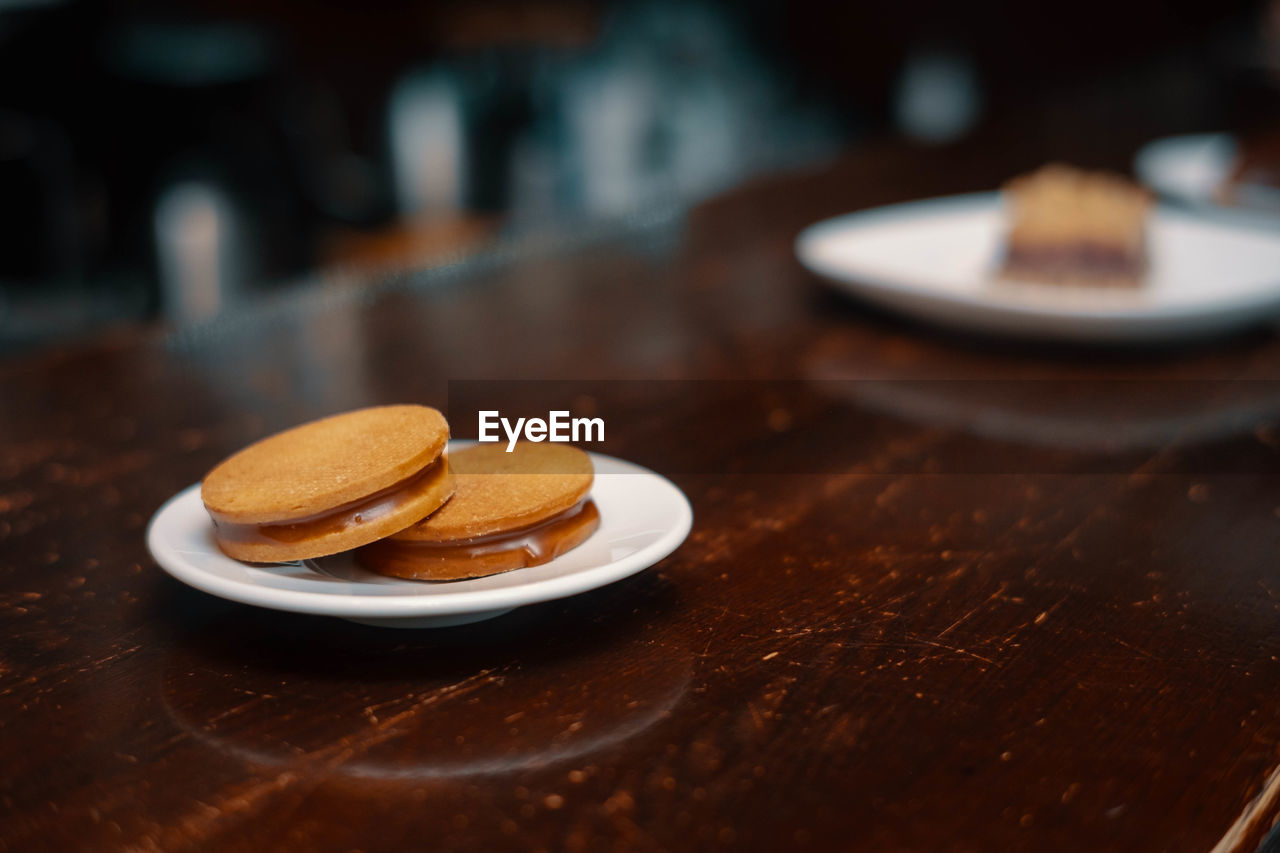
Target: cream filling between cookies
(362,511)
(528,546)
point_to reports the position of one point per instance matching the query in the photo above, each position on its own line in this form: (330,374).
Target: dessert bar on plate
(1075,228)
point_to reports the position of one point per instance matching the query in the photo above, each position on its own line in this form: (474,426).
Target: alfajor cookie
(330,485)
(510,511)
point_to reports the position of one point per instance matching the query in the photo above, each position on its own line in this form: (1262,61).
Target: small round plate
(937,260)
(643,518)
(1192,169)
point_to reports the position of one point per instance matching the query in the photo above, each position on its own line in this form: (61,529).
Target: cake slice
(1076,228)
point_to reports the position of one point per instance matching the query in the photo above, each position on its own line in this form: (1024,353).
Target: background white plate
(643,518)
(1192,168)
(936,260)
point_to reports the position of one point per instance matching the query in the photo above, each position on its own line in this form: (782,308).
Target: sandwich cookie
(330,485)
(510,511)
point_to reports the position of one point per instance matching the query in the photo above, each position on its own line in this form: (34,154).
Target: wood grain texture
(874,648)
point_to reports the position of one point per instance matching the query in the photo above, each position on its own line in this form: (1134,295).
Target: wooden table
(1033,610)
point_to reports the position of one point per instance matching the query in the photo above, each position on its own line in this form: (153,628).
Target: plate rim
(435,604)
(1073,322)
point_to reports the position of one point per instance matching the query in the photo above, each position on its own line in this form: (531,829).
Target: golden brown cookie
(330,485)
(510,510)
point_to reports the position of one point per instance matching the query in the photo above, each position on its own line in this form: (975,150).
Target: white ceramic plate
(936,260)
(643,518)
(1191,169)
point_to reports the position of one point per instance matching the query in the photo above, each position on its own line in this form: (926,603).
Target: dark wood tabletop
(941,593)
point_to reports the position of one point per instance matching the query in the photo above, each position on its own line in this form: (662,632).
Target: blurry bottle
(199,251)
(427,137)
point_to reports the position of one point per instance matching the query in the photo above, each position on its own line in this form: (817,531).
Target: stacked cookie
(380,481)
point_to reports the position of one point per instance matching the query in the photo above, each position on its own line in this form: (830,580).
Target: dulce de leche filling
(361,511)
(484,555)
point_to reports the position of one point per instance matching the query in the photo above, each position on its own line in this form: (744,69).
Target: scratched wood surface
(912,615)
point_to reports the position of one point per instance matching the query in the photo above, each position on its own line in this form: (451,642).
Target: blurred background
(175,161)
